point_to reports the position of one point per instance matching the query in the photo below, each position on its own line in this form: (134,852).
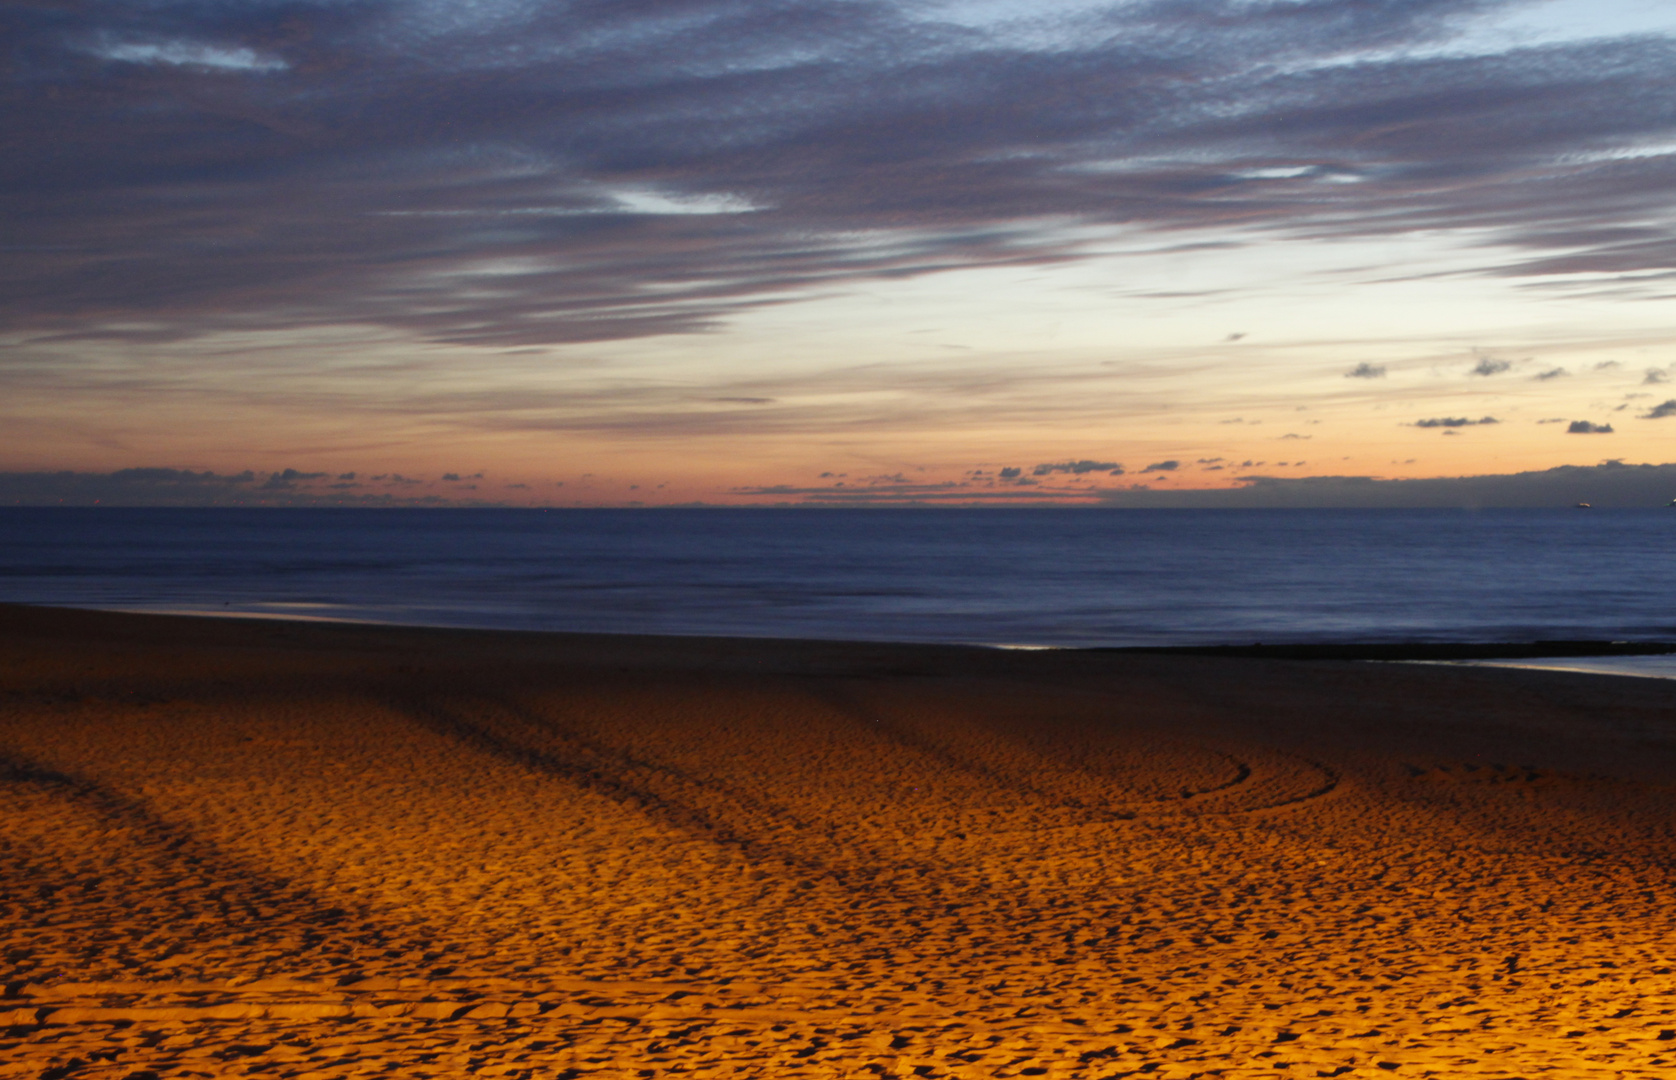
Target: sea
(1023,578)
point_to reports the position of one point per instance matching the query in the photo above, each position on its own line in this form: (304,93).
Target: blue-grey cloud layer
(1612,485)
(152,486)
(500,173)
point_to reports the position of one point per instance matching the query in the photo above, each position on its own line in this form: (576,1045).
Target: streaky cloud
(1454,422)
(576,172)
(154,486)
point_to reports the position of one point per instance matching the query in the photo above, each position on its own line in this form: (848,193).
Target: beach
(307,849)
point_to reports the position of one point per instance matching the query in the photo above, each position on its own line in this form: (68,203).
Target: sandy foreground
(235,848)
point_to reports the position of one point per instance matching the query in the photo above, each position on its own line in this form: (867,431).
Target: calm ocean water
(1021,577)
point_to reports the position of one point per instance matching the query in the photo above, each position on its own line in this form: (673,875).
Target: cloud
(1162,466)
(929,494)
(1612,484)
(153,486)
(1551,373)
(1655,376)
(1661,410)
(1584,427)
(200,54)
(906,493)
(1366,370)
(281,481)
(1078,468)
(1453,422)
(521,174)
(1487,366)
(1294,435)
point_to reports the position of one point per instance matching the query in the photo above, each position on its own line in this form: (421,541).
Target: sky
(732,252)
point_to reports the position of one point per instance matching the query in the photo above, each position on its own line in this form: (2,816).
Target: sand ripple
(322,852)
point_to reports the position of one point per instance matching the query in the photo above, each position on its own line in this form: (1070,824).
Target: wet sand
(236,848)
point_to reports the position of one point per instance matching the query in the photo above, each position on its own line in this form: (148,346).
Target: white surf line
(1613,665)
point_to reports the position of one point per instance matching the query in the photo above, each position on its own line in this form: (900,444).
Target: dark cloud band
(583,171)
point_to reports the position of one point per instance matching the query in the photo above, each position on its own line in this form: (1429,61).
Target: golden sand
(288,850)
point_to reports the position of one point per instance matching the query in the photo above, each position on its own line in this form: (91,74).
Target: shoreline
(1402,650)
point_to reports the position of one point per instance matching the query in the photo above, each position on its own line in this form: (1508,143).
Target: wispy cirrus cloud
(583,171)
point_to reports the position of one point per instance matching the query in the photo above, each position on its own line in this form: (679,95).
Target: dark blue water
(1037,576)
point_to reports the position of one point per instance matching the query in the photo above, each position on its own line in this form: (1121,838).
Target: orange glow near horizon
(1417,241)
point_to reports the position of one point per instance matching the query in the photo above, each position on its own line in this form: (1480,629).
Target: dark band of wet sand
(314,850)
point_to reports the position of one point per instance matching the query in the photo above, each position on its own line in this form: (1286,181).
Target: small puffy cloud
(1011,474)
(1551,373)
(1295,435)
(1606,365)
(1584,427)
(1162,466)
(346,476)
(1655,376)
(1365,370)
(1209,460)
(454,476)
(279,481)
(1077,468)
(1660,411)
(1489,365)
(1453,422)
